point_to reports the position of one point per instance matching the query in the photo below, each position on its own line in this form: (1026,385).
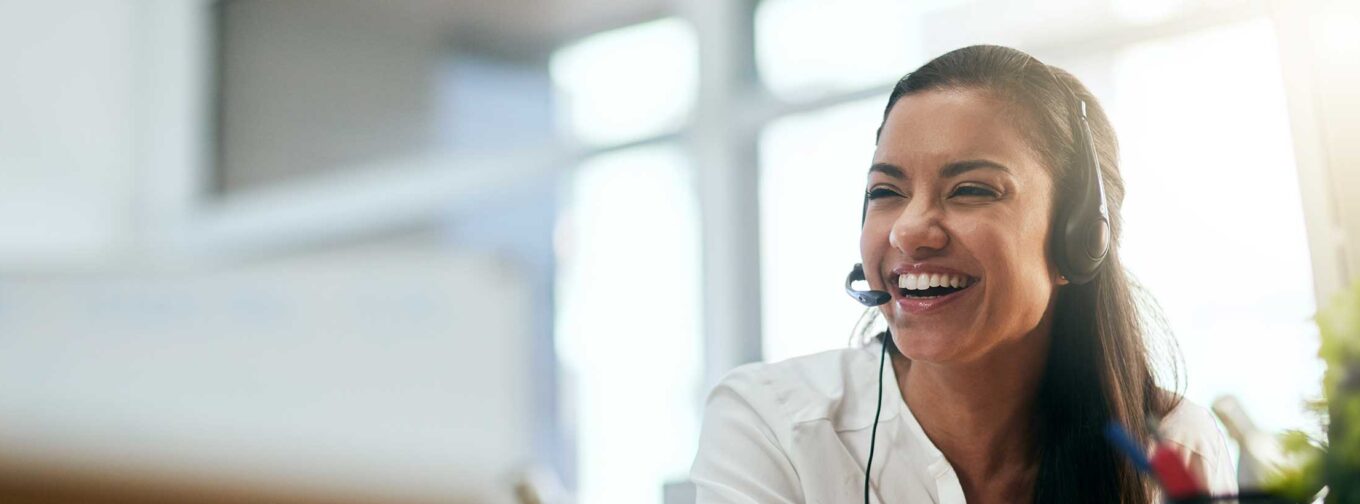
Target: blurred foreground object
(1261,456)
(540,485)
(1287,465)
(1334,462)
(1339,327)
(24,481)
(679,492)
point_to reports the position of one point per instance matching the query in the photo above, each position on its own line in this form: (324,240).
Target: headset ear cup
(1068,246)
(1084,250)
(1098,241)
(1083,235)
(1083,242)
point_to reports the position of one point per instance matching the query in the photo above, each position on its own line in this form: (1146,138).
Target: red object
(1166,461)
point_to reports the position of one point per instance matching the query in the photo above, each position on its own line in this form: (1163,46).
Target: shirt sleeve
(1215,468)
(741,459)
(1203,447)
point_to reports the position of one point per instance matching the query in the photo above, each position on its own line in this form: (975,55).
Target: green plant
(1335,461)
(1339,326)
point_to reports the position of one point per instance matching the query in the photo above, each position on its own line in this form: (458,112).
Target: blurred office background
(429,250)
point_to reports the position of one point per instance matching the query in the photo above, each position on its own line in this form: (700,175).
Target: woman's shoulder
(819,386)
(749,441)
(1190,426)
(1187,420)
(1194,430)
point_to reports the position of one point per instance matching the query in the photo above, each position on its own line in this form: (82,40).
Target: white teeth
(913,281)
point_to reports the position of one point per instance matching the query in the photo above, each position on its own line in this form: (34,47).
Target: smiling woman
(991,221)
(922,287)
(929,212)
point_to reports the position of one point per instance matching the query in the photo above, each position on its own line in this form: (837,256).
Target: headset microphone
(868,298)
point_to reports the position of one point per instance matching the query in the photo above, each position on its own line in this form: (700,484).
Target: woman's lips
(918,305)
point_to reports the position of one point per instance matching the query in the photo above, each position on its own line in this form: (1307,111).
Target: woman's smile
(923,289)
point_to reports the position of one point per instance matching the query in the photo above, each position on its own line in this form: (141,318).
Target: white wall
(66,137)
(1320,56)
(309,86)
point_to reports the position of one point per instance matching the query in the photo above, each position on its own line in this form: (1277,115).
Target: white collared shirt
(797,431)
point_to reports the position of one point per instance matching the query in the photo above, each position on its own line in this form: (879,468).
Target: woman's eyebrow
(960,167)
(888,169)
(950,170)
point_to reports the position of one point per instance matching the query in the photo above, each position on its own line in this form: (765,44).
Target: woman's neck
(981,414)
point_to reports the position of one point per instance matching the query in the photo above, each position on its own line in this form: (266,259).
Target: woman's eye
(881,192)
(972,190)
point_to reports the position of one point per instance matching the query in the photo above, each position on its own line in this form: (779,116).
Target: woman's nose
(918,232)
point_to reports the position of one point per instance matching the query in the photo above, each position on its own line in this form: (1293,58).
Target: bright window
(1215,224)
(628,83)
(628,325)
(812,47)
(813,169)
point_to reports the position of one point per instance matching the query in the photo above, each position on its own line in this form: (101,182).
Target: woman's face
(956,227)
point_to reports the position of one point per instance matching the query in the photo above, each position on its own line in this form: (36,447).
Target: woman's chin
(927,346)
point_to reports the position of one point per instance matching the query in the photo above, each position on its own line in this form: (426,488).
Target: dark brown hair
(1100,364)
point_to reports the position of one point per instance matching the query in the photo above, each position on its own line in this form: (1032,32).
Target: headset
(1080,241)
